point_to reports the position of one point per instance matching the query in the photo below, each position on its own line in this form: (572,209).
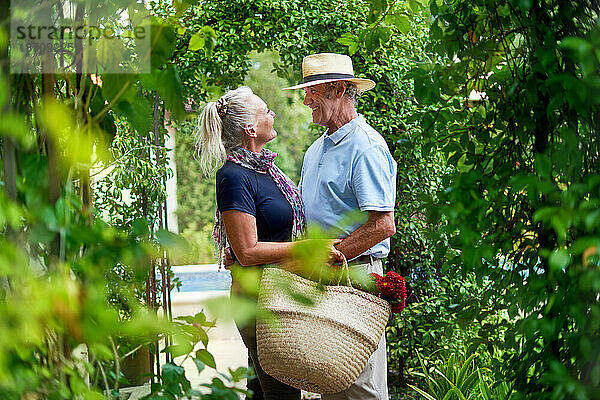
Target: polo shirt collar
(344,130)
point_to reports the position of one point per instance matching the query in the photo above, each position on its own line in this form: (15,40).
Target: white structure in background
(172,223)
(476,96)
(101,172)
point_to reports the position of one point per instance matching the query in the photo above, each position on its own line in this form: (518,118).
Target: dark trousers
(264,386)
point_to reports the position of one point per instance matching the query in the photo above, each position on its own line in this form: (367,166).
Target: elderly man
(349,168)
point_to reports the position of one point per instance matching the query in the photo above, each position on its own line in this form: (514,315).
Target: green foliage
(73,263)
(460,375)
(453,315)
(518,206)
(490,390)
(190,332)
(122,197)
(503,260)
(453,379)
(46,313)
(50,307)
(291,28)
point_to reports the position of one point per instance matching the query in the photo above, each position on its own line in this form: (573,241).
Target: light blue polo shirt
(350,170)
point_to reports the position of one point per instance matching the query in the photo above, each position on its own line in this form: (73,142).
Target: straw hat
(329,67)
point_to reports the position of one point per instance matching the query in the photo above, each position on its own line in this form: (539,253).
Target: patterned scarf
(263,162)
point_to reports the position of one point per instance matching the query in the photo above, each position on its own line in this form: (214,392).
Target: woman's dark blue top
(255,193)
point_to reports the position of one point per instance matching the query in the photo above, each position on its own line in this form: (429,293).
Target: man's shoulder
(366,137)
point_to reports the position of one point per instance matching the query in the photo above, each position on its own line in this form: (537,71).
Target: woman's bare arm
(243,238)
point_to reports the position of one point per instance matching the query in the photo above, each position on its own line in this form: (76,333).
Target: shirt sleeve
(301,176)
(235,193)
(374,180)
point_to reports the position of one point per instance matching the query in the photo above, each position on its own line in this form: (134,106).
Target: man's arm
(380,226)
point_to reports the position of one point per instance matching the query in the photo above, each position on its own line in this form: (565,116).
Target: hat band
(319,77)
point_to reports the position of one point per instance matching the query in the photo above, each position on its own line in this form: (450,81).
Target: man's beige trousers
(371,384)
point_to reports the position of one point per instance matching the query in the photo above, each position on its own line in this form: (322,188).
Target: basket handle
(345,269)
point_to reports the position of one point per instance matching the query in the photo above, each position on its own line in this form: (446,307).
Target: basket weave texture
(321,348)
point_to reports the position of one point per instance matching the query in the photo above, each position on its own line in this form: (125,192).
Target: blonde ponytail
(220,128)
(209,146)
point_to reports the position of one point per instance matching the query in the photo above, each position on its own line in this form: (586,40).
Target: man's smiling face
(322,105)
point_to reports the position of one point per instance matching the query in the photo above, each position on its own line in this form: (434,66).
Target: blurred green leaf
(241,373)
(199,365)
(559,259)
(247,277)
(347,39)
(170,89)
(181,6)
(89,395)
(592,220)
(400,21)
(171,241)
(206,358)
(543,166)
(164,40)
(372,39)
(239,309)
(577,44)
(178,350)
(14,126)
(197,42)
(205,39)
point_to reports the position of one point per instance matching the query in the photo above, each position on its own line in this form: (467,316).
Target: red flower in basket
(391,288)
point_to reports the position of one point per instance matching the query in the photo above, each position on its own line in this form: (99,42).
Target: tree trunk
(54,173)
(8,145)
(81,94)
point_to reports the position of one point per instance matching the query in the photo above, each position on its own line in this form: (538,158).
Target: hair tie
(222,107)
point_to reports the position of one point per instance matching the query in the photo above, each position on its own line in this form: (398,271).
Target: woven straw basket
(320,348)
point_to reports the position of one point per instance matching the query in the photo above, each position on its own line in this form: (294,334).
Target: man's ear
(249,130)
(340,90)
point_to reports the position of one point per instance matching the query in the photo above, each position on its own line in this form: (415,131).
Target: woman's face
(264,119)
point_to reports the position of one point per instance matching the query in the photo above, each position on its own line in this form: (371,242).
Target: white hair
(351,90)
(220,127)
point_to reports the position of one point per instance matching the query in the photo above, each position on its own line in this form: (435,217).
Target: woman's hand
(335,256)
(228,260)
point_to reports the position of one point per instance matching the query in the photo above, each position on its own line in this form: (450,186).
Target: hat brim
(362,84)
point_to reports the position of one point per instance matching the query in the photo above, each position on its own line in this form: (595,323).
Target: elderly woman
(259,209)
